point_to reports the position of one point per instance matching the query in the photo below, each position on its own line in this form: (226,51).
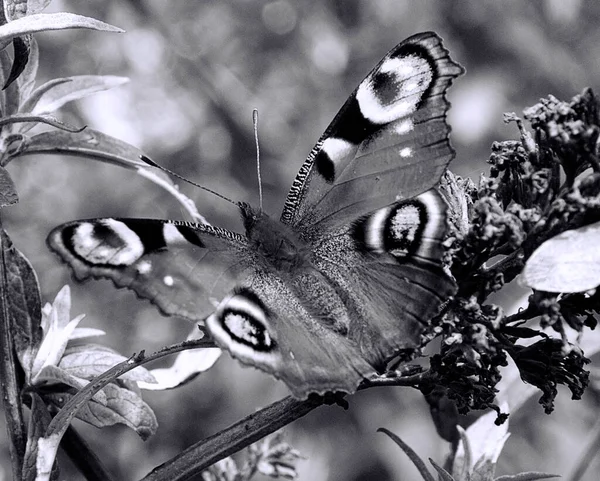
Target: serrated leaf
(53,95)
(122,407)
(90,360)
(39,420)
(21,47)
(8,192)
(568,262)
(23,300)
(41,22)
(187,365)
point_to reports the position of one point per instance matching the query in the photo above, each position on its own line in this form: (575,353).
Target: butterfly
(350,274)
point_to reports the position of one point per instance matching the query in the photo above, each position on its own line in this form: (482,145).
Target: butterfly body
(351,273)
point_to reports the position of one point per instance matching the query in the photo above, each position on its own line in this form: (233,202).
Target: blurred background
(197,70)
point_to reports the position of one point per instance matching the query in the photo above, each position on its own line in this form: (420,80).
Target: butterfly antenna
(255,124)
(150,162)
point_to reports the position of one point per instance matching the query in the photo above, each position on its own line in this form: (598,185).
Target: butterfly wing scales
(267,326)
(389,139)
(179,267)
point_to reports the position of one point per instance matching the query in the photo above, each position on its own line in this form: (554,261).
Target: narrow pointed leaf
(21,47)
(528,476)
(8,191)
(92,144)
(24,301)
(417,461)
(71,88)
(41,22)
(443,474)
(29,75)
(39,420)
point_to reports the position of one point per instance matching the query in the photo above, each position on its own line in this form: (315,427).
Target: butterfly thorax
(275,243)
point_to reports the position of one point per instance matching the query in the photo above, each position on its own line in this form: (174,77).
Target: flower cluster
(540,186)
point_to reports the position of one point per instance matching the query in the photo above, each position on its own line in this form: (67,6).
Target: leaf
(122,407)
(416,460)
(41,22)
(187,365)
(38,422)
(21,48)
(24,302)
(10,96)
(29,75)
(528,476)
(99,146)
(53,95)
(51,374)
(443,474)
(56,332)
(8,192)
(90,360)
(568,262)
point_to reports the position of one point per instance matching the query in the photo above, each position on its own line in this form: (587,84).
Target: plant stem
(205,453)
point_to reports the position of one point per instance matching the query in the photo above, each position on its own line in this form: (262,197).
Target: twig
(205,453)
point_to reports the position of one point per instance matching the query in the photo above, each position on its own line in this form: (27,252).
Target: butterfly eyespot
(168,281)
(108,242)
(247,330)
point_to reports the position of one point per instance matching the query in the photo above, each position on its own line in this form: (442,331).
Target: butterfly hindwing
(178,266)
(388,266)
(389,139)
(269,324)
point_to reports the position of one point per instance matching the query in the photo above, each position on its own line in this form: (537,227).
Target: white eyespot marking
(168,281)
(405,223)
(374,230)
(408,78)
(107,242)
(404,127)
(144,267)
(435,217)
(240,327)
(406,152)
(337,149)
(172,235)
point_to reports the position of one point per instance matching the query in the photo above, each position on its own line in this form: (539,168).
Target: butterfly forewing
(389,140)
(183,268)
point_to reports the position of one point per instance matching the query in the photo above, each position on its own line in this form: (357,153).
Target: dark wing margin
(389,139)
(178,266)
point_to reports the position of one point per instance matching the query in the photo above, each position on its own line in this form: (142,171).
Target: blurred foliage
(197,70)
